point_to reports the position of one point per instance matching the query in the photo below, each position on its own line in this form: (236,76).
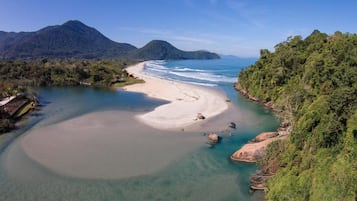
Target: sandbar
(185,101)
(106,145)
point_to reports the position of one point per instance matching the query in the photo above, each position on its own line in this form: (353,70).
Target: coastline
(185,101)
(255,149)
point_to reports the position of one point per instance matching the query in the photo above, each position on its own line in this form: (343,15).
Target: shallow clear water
(203,174)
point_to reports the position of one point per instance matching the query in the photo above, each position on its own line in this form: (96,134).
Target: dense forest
(99,73)
(313,83)
(18,77)
(73,39)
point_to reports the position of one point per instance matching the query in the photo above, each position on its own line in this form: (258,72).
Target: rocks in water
(213,138)
(255,149)
(232,125)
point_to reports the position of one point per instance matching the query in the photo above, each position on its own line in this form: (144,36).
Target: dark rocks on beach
(200,116)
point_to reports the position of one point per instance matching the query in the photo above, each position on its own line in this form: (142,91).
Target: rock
(265,135)
(200,116)
(258,187)
(213,138)
(232,125)
(252,152)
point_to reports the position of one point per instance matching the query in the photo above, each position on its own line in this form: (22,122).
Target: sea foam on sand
(186,101)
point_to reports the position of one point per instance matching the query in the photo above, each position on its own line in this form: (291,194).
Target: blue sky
(237,27)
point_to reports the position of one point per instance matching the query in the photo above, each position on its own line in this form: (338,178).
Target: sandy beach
(186,101)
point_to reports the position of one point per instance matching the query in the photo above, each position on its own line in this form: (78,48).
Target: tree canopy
(101,73)
(314,81)
(17,77)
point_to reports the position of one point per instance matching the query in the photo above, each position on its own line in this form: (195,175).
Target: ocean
(204,173)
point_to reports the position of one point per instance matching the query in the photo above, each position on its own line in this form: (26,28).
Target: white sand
(186,101)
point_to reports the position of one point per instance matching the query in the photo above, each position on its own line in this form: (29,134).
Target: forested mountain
(74,39)
(160,50)
(314,82)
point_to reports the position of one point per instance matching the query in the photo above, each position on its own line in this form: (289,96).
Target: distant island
(76,40)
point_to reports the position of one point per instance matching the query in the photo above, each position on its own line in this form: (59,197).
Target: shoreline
(185,101)
(256,148)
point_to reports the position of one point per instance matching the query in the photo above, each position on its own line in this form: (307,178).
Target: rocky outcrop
(253,151)
(264,136)
(255,148)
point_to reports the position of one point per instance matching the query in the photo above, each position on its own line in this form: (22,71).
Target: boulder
(252,152)
(200,116)
(213,138)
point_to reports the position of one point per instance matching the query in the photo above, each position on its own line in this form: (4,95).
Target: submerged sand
(106,145)
(186,101)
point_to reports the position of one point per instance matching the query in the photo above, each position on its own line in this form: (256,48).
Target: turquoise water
(204,174)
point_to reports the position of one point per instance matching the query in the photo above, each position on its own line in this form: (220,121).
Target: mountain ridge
(74,39)
(159,50)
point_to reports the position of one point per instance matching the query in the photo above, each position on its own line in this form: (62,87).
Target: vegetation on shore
(313,82)
(98,73)
(17,77)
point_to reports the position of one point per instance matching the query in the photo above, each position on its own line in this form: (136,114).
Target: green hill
(313,81)
(72,39)
(75,40)
(159,50)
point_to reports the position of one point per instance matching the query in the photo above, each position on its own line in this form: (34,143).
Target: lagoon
(179,164)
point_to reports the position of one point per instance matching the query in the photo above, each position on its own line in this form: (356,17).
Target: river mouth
(190,171)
